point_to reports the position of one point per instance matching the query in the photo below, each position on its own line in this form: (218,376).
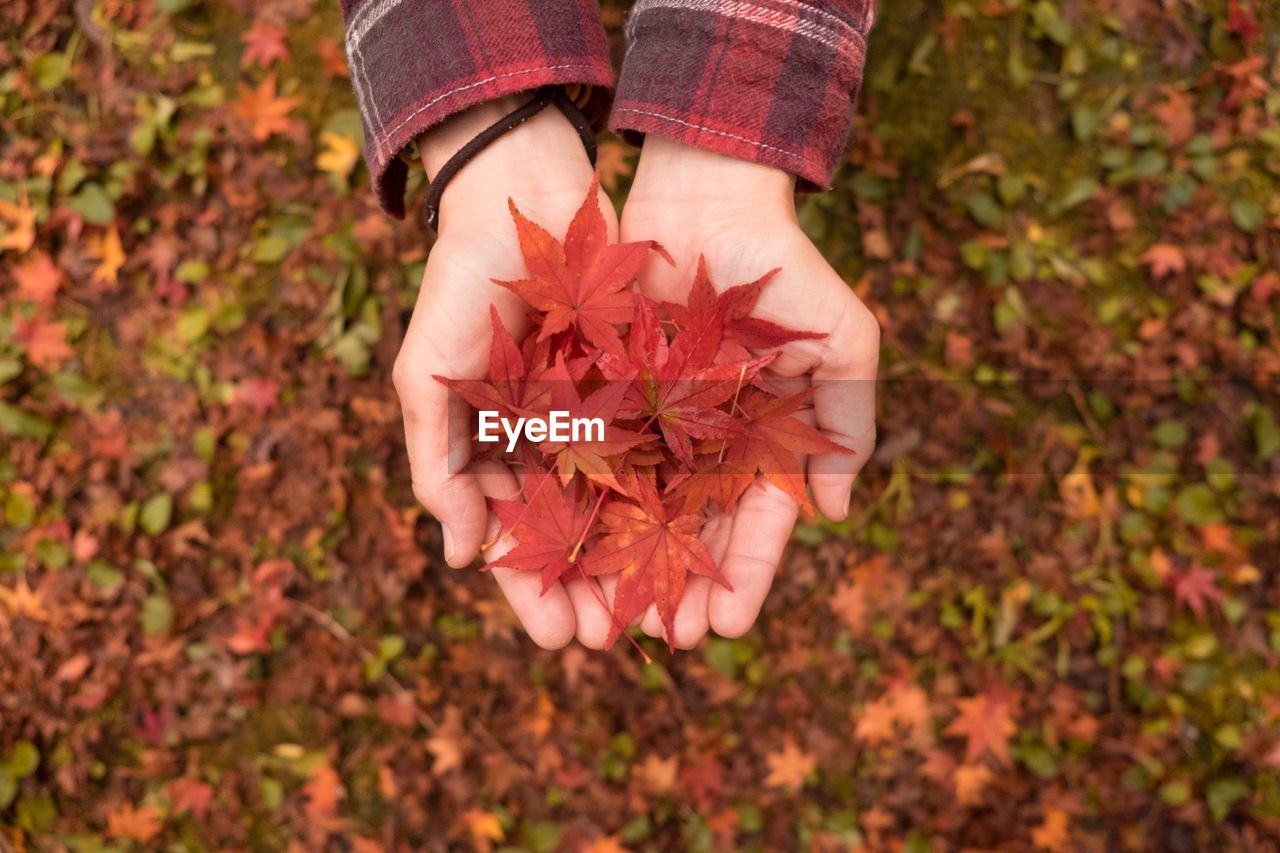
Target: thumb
(438,441)
(844,404)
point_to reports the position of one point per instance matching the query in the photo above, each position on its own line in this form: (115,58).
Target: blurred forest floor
(1051,623)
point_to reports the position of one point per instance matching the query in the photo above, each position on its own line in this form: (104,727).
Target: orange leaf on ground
(265,112)
(483,825)
(656,775)
(1163,260)
(110,255)
(38,279)
(987,721)
(44,340)
(789,767)
(1051,834)
(140,825)
(903,705)
(20,233)
(1177,113)
(613,163)
(322,792)
(872,589)
(189,794)
(971,782)
(22,600)
(446,745)
(604,844)
(332,57)
(73,668)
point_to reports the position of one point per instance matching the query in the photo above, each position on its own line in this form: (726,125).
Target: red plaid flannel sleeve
(766,80)
(416,62)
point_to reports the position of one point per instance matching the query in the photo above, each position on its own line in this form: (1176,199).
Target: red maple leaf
(721,325)
(684,401)
(549,526)
(1196,586)
(1241,23)
(258,394)
(263,45)
(507,390)
(714,480)
(186,793)
(702,780)
(596,457)
(580,284)
(653,552)
(772,442)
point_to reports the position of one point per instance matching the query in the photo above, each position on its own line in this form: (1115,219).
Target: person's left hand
(741,217)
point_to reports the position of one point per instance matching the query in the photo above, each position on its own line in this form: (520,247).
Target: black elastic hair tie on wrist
(545,96)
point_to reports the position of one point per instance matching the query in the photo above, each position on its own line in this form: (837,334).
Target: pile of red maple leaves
(690,421)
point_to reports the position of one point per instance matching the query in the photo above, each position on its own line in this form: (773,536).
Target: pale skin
(741,216)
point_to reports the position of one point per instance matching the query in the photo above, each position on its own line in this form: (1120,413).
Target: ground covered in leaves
(1052,621)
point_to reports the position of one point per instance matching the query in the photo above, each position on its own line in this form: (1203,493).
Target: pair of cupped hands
(739,215)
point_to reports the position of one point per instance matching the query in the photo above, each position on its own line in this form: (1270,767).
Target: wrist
(537,163)
(672,172)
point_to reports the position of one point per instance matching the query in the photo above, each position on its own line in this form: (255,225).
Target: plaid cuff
(416,62)
(771,81)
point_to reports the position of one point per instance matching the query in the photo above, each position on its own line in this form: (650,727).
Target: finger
(589,610)
(651,622)
(439,448)
(762,526)
(844,403)
(548,619)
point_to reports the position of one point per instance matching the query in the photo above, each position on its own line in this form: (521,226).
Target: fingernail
(448,543)
(847,499)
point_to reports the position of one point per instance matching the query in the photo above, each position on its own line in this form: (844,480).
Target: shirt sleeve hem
(390,173)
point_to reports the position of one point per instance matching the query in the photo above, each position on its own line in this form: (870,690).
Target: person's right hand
(542,167)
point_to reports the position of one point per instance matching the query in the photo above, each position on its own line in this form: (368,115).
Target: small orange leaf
(140,825)
(484,825)
(44,340)
(789,767)
(110,255)
(987,721)
(21,232)
(323,791)
(1164,259)
(38,279)
(22,600)
(971,782)
(264,111)
(656,775)
(1051,834)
